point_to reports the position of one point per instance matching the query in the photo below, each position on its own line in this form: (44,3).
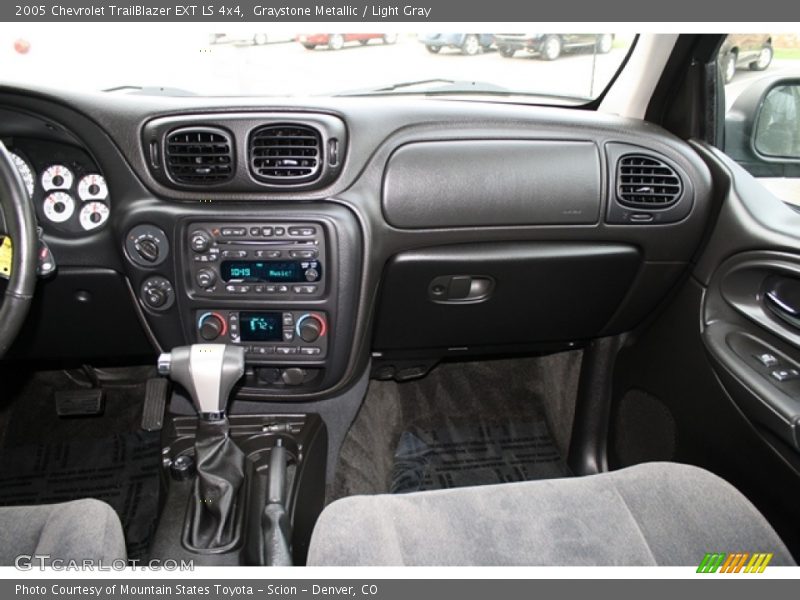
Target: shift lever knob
(208,372)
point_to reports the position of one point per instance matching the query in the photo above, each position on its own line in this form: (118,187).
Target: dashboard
(329,236)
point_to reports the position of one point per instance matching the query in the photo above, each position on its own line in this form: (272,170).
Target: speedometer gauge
(58,207)
(92,187)
(25,171)
(57,177)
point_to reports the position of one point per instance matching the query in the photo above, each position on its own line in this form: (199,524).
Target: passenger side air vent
(645,182)
(199,155)
(285,153)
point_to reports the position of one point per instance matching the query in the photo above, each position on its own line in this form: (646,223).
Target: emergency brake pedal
(80,403)
(155,403)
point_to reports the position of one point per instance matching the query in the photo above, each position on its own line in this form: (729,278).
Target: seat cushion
(78,530)
(649,514)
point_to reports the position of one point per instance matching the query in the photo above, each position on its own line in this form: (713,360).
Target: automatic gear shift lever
(209,372)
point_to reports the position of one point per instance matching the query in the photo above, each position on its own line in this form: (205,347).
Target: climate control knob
(211,326)
(310,328)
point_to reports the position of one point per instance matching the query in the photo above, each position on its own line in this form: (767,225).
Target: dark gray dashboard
(511,200)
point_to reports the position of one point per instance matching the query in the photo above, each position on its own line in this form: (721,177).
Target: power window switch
(767,359)
(786,374)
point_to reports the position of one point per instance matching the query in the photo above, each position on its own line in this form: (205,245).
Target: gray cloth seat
(649,514)
(78,530)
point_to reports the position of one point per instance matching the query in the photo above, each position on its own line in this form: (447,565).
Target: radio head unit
(256,259)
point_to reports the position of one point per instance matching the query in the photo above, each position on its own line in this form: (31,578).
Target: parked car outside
(753,50)
(468,43)
(258,38)
(550,46)
(336,41)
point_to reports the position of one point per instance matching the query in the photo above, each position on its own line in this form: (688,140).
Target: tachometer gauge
(92,215)
(57,177)
(25,171)
(92,187)
(58,207)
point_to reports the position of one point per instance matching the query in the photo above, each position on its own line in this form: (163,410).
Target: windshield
(175,60)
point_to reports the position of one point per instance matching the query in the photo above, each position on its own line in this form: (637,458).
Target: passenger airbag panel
(492,182)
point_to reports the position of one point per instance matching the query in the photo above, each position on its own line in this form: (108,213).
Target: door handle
(782,298)
(460,289)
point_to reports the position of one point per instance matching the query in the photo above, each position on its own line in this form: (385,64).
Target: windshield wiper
(149,90)
(432,86)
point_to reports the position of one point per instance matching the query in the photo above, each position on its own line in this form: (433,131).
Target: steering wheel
(19,219)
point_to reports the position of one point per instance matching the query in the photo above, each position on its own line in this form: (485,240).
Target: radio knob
(205,278)
(200,241)
(312,274)
(310,328)
(211,326)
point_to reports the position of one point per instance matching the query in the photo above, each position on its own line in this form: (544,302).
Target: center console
(276,286)
(281,282)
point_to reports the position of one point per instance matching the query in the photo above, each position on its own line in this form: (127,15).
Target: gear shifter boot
(220,472)
(209,372)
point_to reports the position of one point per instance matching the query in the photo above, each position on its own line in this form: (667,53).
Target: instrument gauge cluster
(64,183)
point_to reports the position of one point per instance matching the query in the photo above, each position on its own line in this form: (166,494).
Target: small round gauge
(58,207)
(92,187)
(25,171)
(92,215)
(57,177)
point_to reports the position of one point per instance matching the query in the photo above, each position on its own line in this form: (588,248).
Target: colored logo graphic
(737,562)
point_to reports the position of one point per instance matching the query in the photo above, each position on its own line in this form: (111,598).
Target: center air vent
(199,155)
(647,182)
(285,154)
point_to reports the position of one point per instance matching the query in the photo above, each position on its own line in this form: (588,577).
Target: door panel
(746,324)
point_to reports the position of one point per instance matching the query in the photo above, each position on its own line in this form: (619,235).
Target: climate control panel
(256,260)
(267,335)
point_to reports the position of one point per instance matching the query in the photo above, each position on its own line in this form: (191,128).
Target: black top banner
(413,11)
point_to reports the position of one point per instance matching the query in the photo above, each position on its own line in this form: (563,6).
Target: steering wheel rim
(20,225)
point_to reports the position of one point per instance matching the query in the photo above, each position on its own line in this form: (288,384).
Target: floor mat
(33,417)
(460,455)
(491,393)
(122,470)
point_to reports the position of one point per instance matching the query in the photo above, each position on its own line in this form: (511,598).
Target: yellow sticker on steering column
(6,255)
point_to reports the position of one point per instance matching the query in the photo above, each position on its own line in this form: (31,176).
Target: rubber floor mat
(122,470)
(460,455)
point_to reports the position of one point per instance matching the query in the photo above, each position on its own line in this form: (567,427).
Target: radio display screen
(268,271)
(260,326)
